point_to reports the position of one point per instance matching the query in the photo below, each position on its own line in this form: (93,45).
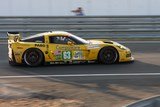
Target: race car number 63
(66,55)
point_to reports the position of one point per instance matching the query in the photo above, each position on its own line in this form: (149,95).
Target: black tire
(108,55)
(33,57)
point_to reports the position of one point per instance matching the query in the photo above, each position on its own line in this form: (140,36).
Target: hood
(95,41)
(101,41)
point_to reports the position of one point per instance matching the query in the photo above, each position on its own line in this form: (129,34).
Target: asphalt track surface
(147,55)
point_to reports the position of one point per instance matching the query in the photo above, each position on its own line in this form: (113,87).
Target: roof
(47,33)
(57,33)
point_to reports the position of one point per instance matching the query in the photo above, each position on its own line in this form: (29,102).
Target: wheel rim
(32,57)
(109,56)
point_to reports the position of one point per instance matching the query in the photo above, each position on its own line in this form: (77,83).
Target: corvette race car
(58,47)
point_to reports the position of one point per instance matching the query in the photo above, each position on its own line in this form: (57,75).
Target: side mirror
(70,43)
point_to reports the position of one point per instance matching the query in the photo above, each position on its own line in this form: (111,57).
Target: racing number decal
(66,55)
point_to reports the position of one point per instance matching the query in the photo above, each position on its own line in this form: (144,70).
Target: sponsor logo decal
(25,45)
(57,52)
(58,55)
(19,47)
(17,53)
(77,55)
(40,45)
(57,62)
(93,46)
(67,48)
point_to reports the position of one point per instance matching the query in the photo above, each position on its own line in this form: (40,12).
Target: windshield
(79,39)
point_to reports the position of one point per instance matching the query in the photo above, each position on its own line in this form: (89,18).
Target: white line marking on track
(80,75)
(138,42)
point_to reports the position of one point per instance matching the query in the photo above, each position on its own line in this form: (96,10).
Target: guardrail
(86,26)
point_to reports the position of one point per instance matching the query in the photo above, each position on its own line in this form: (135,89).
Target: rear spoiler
(13,36)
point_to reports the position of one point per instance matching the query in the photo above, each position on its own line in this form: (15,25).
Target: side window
(60,39)
(36,39)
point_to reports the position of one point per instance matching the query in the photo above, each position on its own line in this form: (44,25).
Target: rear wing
(13,36)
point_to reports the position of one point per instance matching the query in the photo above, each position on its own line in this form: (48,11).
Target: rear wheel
(33,57)
(108,55)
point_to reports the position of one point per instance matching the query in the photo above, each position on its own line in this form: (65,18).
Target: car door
(63,48)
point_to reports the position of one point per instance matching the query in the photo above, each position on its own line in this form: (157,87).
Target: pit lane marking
(80,75)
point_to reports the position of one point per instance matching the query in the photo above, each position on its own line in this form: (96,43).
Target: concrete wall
(91,7)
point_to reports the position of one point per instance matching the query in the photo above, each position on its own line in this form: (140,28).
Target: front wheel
(108,55)
(33,57)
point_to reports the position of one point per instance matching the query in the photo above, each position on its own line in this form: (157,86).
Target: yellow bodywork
(63,52)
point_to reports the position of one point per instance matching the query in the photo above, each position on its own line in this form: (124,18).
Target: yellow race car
(59,47)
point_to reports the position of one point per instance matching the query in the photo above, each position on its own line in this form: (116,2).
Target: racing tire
(108,55)
(33,57)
